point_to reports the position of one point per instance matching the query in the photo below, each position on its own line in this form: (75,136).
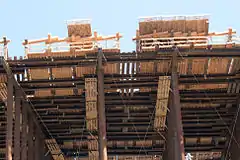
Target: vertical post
(5,48)
(9,137)
(24,132)
(30,139)
(17,150)
(175,142)
(101,109)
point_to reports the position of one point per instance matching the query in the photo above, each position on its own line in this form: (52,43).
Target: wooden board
(43,93)
(91,109)
(198,66)
(202,86)
(146,67)
(81,71)
(63,72)
(92,124)
(159,122)
(64,92)
(93,155)
(91,89)
(163,66)
(218,65)
(112,68)
(36,74)
(93,145)
(60,54)
(182,66)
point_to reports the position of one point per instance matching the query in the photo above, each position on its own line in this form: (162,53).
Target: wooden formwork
(146,67)
(3,78)
(36,55)
(93,145)
(145,143)
(64,92)
(191,140)
(163,66)
(111,68)
(54,149)
(36,74)
(3,91)
(206,140)
(198,65)
(206,155)
(91,89)
(92,124)
(182,66)
(84,70)
(43,93)
(163,87)
(93,155)
(91,109)
(180,24)
(202,86)
(81,30)
(161,107)
(61,54)
(218,65)
(63,72)
(160,122)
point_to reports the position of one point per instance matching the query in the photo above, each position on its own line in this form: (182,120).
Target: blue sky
(32,19)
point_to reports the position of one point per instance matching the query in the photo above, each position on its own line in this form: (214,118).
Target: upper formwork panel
(79,28)
(195,25)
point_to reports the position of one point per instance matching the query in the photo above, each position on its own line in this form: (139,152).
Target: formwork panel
(43,93)
(91,89)
(63,72)
(161,107)
(218,65)
(202,86)
(163,87)
(163,66)
(160,122)
(91,110)
(36,74)
(93,145)
(64,92)
(92,124)
(111,68)
(146,67)
(198,66)
(84,70)
(93,155)
(182,66)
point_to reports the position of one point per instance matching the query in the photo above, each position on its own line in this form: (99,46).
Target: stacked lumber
(85,70)
(162,102)
(183,24)
(54,149)
(91,116)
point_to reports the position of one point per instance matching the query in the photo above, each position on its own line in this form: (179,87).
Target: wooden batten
(54,149)
(36,74)
(63,72)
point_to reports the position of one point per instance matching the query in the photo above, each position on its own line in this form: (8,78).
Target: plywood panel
(63,72)
(81,71)
(146,67)
(36,74)
(218,65)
